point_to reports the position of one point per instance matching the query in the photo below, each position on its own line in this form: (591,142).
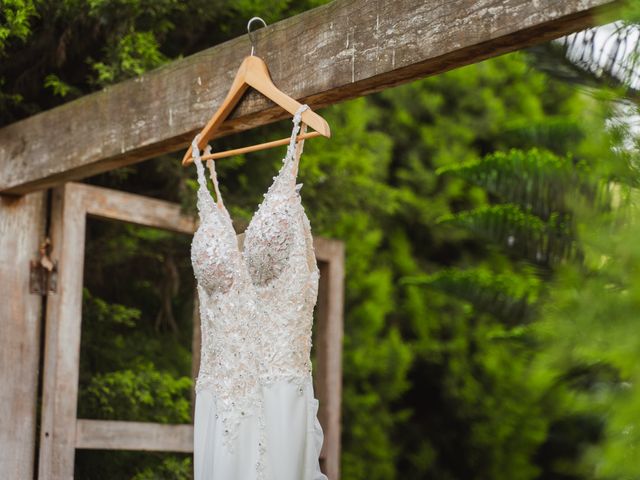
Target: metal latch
(43,276)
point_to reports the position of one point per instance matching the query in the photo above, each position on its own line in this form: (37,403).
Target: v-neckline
(288,160)
(265,196)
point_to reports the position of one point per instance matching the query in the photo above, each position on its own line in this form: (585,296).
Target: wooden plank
(22,224)
(62,339)
(328,343)
(129,207)
(338,51)
(120,435)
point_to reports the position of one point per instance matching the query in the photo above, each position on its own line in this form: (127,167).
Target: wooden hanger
(253,72)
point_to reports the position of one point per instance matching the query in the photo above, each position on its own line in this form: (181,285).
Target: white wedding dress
(256,412)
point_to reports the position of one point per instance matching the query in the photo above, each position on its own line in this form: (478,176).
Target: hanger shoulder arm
(237,90)
(257,76)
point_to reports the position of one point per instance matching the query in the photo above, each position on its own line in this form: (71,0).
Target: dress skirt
(293,438)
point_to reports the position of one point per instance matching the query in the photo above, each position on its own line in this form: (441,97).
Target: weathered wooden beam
(341,50)
(120,435)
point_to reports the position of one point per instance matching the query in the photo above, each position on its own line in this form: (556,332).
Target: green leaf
(520,233)
(508,297)
(539,181)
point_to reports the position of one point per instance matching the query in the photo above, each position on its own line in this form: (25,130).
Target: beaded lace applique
(256,305)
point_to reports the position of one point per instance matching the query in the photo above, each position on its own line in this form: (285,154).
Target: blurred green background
(492,250)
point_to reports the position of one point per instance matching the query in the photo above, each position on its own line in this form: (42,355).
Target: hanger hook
(251,33)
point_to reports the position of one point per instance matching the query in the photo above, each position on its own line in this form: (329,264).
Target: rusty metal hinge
(43,275)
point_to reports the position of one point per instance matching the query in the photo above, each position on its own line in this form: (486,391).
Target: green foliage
(469,416)
(541,182)
(100,311)
(132,45)
(110,464)
(141,394)
(584,308)
(135,355)
(507,225)
(539,192)
(132,55)
(58,87)
(346,198)
(534,194)
(14,20)
(557,134)
(170,469)
(591,319)
(629,12)
(508,296)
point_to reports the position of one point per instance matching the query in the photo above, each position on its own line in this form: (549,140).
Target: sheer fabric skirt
(293,438)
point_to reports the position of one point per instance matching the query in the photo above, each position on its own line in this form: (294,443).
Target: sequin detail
(256,305)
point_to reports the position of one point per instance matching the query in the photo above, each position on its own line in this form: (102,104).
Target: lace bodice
(256,304)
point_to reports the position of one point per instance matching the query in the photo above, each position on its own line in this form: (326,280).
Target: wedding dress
(255,412)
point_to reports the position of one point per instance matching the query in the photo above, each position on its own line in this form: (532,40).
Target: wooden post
(330,308)
(62,340)
(22,226)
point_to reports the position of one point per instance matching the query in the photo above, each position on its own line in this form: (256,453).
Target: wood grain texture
(328,344)
(120,435)
(22,224)
(109,204)
(62,339)
(338,51)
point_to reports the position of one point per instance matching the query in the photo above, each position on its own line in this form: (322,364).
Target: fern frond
(556,134)
(539,181)
(520,232)
(508,297)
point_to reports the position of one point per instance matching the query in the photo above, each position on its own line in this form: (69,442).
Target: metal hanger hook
(251,33)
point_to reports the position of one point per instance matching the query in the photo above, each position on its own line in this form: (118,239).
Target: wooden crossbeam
(120,435)
(339,51)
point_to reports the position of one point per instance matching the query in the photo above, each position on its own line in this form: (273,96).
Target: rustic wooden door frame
(61,431)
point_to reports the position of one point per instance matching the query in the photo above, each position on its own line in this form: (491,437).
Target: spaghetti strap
(294,150)
(285,181)
(195,155)
(214,177)
(299,148)
(204,196)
